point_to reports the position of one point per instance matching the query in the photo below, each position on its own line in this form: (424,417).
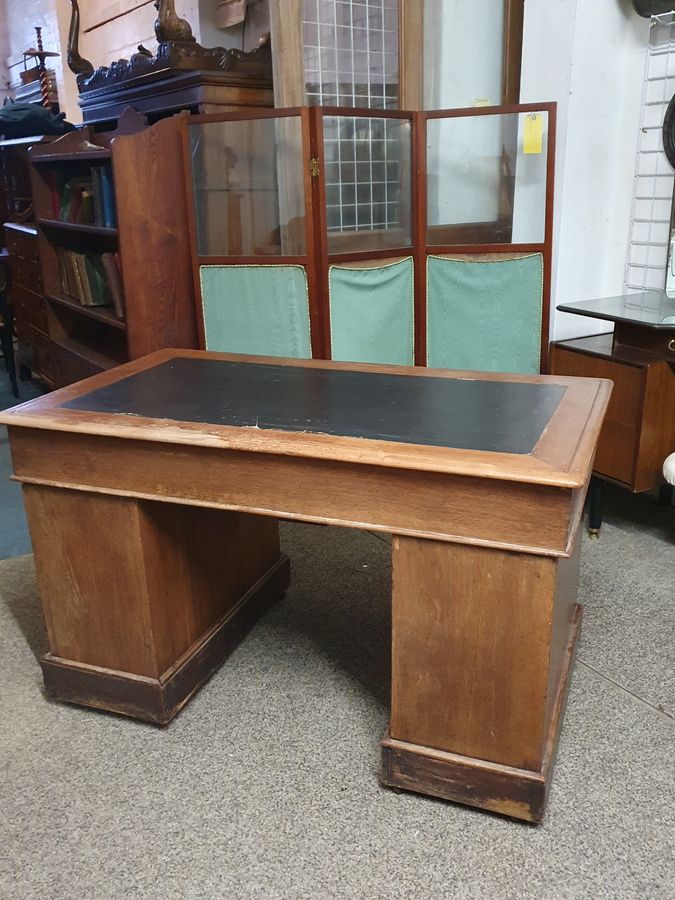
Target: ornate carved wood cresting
(177,50)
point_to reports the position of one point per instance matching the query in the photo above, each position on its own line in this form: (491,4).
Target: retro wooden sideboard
(153,493)
(639,357)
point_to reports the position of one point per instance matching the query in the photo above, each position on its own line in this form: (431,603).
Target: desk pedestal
(143,600)
(482,647)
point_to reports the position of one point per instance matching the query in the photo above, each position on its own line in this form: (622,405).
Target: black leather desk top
(498,416)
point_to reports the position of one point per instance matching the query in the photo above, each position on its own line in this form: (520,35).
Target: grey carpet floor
(266,785)
(14,538)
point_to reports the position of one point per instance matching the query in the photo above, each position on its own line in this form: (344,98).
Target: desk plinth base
(518,793)
(158,700)
(144,599)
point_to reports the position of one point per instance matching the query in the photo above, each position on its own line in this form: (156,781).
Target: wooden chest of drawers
(639,430)
(28,303)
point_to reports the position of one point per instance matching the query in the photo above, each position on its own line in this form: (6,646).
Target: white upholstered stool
(669,469)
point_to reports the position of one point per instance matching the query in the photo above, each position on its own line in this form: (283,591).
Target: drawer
(23,245)
(25,273)
(617,449)
(35,351)
(29,308)
(625,405)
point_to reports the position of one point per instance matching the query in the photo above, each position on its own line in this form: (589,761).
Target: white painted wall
(590,58)
(462,52)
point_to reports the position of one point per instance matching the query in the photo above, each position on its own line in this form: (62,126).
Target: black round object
(669,132)
(649,8)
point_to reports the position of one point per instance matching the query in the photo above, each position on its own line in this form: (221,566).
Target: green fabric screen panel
(485,314)
(262,310)
(371,313)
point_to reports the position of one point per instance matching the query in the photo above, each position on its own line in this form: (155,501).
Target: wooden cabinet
(639,430)
(20,237)
(145,239)
(28,303)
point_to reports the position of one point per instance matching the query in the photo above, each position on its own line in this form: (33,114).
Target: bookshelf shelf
(96,360)
(93,156)
(76,226)
(142,264)
(100,313)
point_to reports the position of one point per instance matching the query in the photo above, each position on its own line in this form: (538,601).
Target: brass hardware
(671,345)
(314,166)
(594,534)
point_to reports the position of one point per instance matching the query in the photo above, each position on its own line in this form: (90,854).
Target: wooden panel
(213,558)
(35,351)
(288,58)
(660,341)
(514,11)
(626,401)
(72,367)
(92,579)
(536,517)
(410,55)
(29,307)
(130,586)
(561,457)
(471,643)
(657,436)
(615,456)
(23,244)
(153,239)
(639,431)
(564,611)
(26,273)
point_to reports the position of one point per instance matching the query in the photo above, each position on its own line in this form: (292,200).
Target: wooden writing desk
(153,492)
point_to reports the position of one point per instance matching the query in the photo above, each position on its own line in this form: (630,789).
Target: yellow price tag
(481,101)
(533,133)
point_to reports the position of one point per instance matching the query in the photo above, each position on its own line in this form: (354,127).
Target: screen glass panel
(248,187)
(486,179)
(351,53)
(368,186)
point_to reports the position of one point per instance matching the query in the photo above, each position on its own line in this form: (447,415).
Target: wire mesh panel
(653,190)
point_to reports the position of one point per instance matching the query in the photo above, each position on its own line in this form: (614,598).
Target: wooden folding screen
(373,235)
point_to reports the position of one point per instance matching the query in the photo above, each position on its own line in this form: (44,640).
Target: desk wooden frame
(144,599)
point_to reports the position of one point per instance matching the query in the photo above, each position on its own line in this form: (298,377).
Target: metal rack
(654,177)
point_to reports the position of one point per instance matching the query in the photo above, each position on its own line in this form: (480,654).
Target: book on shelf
(84,199)
(111,265)
(92,279)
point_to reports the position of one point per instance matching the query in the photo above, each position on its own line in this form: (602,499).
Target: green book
(98,287)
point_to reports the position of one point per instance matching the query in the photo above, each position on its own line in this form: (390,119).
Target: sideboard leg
(595,507)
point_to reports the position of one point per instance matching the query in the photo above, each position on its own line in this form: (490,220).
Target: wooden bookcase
(20,237)
(148,239)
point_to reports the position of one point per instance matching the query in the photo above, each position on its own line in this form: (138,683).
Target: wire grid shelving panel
(654,177)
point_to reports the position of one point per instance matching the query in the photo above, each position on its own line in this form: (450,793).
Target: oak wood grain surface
(560,456)
(151,567)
